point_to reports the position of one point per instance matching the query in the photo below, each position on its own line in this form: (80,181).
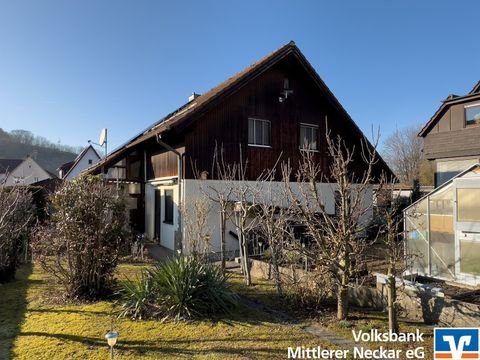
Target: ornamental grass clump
(182,288)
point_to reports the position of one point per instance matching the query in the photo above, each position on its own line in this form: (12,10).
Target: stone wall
(418,302)
(423,302)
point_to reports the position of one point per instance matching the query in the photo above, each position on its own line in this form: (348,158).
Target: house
(85,159)
(452,136)
(443,230)
(277,106)
(25,172)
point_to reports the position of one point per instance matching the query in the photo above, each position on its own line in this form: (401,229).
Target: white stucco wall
(273,193)
(28,172)
(83,163)
(202,189)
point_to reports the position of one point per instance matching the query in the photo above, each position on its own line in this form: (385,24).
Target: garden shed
(443,230)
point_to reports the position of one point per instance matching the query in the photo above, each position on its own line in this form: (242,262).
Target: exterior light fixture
(111,337)
(237,207)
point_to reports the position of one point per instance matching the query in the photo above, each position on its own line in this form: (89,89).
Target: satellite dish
(103,137)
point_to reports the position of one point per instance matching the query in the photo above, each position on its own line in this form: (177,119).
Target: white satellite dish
(103,137)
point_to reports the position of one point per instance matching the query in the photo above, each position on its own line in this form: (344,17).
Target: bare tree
(245,194)
(197,232)
(16,216)
(222,195)
(273,215)
(337,240)
(403,152)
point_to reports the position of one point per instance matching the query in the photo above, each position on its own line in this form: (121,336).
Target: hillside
(20,143)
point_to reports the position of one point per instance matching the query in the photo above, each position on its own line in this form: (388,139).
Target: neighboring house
(277,106)
(85,159)
(443,230)
(452,136)
(25,172)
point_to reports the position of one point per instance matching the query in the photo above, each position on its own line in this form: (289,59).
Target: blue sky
(69,68)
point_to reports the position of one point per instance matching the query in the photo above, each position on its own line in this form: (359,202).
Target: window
(168,207)
(259,132)
(90,161)
(472,115)
(308,137)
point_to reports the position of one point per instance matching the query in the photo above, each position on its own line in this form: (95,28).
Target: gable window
(472,115)
(259,132)
(308,137)
(168,218)
(90,161)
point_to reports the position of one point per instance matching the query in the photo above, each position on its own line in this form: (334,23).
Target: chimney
(193,96)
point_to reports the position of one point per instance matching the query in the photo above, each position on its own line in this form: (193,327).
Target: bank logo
(456,343)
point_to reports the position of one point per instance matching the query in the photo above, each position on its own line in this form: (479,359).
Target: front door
(467,196)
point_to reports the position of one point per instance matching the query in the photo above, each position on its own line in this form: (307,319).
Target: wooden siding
(162,163)
(450,138)
(227,123)
(134,165)
(464,142)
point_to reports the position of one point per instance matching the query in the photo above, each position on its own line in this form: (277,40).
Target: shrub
(16,218)
(79,243)
(182,288)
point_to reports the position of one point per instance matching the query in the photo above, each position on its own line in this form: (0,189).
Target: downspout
(180,178)
(144,204)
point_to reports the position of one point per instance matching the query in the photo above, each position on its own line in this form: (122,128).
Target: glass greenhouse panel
(470,257)
(442,236)
(468,204)
(416,226)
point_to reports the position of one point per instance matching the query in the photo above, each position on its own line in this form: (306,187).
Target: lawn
(32,326)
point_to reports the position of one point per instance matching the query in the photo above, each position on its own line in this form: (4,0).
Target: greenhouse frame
(442,231)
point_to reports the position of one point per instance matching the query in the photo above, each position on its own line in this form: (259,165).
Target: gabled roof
(68,166)
(192,110)
(444,185)
(476,89)
(8,165)
(449,101)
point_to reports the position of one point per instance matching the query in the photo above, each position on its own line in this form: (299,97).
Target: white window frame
(263,121)
(301,145)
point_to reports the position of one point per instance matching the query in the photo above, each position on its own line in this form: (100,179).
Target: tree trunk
(276,271)
(246,262)
(342,302)
(391,304)
(222,242)
(342,296)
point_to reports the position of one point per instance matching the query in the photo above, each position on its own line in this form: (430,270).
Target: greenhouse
(443,231)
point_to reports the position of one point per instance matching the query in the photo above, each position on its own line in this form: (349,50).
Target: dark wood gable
(227,123)
(221,116)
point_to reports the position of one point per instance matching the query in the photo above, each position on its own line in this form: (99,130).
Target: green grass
(374,320)
(33,327)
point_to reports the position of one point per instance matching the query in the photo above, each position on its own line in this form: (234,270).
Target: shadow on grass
(13,305)
(173,347)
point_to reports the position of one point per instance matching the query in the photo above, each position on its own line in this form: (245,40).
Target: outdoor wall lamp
(237,207)
(111,337)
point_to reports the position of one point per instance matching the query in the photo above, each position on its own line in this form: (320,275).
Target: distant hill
(18,144)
